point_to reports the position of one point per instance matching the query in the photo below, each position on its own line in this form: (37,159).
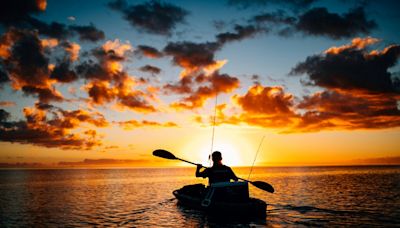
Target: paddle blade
(163,154)
(263,185)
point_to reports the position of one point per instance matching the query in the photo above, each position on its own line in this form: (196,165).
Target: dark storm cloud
(351,68)
(320,22)
(153,17)
(150,69)
(148,51)
(88,32)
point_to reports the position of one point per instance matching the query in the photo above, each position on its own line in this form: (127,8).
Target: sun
(230,155)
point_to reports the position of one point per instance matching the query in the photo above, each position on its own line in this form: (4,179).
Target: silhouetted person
(218,172)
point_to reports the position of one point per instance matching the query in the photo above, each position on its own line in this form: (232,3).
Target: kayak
(225,198)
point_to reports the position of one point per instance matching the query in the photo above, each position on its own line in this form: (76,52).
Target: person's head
(216,157)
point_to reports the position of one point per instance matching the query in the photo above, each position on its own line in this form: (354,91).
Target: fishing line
(259,146)
(213,129)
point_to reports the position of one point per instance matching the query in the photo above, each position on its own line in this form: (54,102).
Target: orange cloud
(133,124)
(107,80)
(210,86)
(41,4)
(49,43)
(7,103)
(73,50)
(356,43)
(266,100)
(49,126)
(117,47)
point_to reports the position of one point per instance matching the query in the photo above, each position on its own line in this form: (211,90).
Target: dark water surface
(306,196)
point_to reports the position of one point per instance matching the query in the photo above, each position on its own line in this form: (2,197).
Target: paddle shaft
(180,159)
(244,180)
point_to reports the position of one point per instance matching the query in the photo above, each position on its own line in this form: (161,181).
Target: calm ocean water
(305,196)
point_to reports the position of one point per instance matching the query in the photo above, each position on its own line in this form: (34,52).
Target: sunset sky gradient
(111,81)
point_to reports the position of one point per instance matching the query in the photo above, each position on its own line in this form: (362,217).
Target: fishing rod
(255,157)
(213,129)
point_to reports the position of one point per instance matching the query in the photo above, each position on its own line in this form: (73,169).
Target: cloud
(7,103)
(18,11)
(315,22)
(319,21)
(62,72)
(153,17)
(197,89)
(27,65)
(347,110)
(192,55)
(294,4)
(109,162)
(378,160)
(359,90)
(241,32)
(88,32)
(22,165)
(25,62)
(148,51)
(18,14)
(352,67)
(4,115)
(150,69)
(263,106)
(49,126)
(274,18)
(133,124)
(3,74)
(107,81)
(272,107)
(72,49)
(266,100)
(44,94)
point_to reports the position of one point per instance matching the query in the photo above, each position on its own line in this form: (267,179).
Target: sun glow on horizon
(230,154)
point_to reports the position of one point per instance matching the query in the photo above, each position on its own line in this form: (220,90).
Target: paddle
(168,155)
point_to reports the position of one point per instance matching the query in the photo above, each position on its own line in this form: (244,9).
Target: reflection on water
(316,196)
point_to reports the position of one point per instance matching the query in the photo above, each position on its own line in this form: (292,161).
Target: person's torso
(219,173)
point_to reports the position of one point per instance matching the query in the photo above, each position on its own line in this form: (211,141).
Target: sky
(297,82)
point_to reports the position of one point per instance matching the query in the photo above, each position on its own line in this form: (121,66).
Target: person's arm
(233,176)
(201,173)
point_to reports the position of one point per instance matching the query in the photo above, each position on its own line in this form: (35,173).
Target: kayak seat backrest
(230,191)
